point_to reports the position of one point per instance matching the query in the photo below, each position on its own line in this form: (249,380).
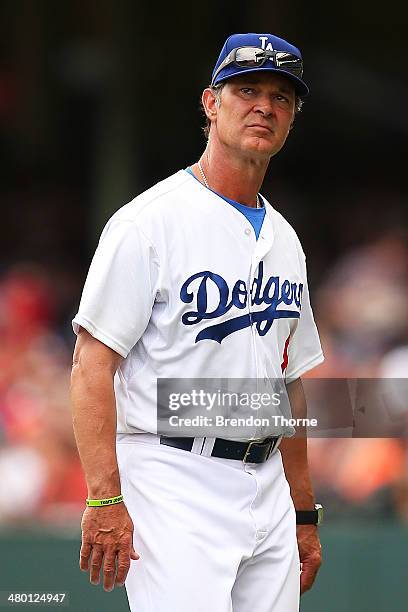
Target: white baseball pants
(214,535)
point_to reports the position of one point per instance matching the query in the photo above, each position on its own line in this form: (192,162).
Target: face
(255,114)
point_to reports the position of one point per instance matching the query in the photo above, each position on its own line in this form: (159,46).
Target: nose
(265,106)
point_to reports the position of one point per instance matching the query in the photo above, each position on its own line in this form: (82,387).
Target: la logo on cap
(268,46)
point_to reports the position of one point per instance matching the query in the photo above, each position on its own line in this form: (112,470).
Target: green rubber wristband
(105,502)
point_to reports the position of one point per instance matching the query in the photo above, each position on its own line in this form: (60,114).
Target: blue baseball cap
(268,42)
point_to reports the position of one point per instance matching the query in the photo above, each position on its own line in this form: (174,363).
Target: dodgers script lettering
(273,293)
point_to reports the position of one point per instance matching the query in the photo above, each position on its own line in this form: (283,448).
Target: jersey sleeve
(305,351)
(120,288)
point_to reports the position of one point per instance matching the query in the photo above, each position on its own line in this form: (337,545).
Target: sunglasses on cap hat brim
(254,57)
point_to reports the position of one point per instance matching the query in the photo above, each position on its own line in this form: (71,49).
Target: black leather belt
(248,452)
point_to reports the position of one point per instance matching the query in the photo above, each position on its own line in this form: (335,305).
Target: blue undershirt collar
(254,215)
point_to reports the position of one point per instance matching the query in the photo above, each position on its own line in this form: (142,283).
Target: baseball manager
(201,277)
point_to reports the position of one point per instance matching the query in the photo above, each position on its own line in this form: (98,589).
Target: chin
(260,145)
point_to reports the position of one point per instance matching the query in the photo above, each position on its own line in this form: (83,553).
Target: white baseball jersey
(180,287)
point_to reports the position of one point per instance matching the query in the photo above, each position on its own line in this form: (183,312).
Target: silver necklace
(258,204)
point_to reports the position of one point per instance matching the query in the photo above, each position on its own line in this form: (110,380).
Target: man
(201,277)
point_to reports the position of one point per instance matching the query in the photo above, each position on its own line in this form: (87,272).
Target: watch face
(320,513)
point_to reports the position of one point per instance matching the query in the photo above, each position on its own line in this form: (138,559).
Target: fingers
(310,567)
(96,564)
(107,545)
(123,566)
(122,559)
(112,575)
(109,570)
(84,556)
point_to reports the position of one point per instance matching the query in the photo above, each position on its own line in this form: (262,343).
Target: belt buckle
(248,450)
(272,444)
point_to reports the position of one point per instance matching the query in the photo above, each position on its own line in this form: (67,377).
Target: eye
(247,90)
(283,99)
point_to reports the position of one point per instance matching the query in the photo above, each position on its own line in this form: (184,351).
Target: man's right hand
(107,539)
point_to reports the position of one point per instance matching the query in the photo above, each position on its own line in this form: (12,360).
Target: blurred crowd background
(98,101)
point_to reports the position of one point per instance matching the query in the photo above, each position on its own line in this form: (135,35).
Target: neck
(234,177)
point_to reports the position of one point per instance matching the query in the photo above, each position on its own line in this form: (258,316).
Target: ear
(293,121)
(208,100)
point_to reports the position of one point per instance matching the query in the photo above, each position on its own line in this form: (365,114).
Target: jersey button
(247,231)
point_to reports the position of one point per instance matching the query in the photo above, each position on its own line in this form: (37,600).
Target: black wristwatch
(310,517)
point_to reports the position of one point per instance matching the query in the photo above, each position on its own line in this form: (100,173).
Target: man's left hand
(310,552)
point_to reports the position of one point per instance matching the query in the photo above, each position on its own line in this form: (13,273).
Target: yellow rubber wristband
(105,502)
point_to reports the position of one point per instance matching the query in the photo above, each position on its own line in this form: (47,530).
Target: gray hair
(217,90)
